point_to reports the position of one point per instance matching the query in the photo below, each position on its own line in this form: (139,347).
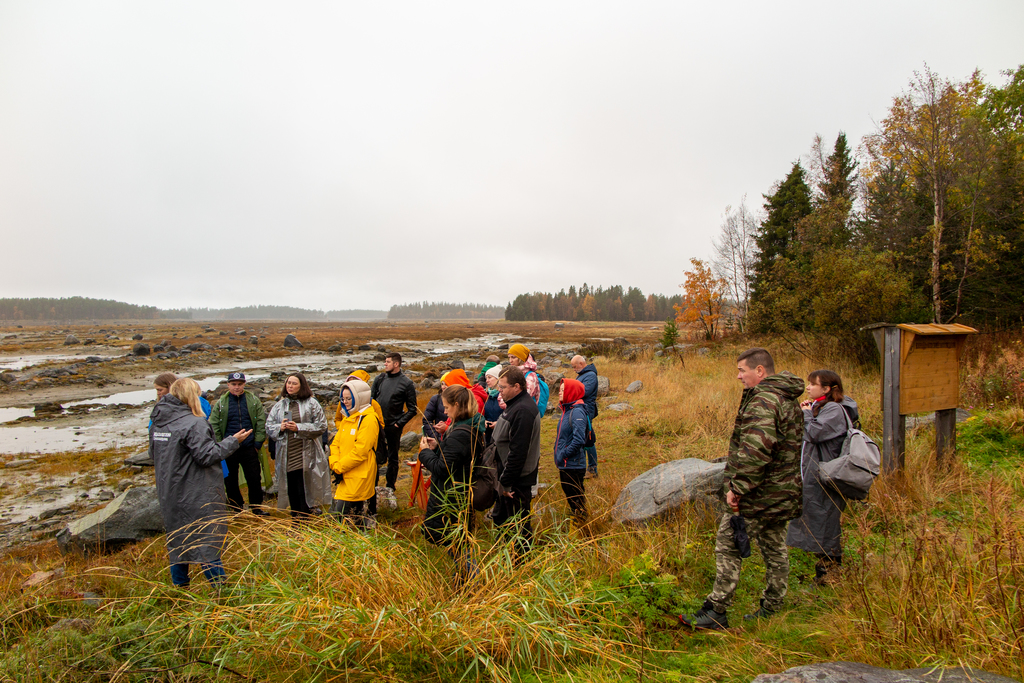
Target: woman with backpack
(828,414)
(449,519)
(570,458)
(354,454)
(296,424)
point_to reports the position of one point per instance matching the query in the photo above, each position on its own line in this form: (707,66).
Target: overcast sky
(356,155)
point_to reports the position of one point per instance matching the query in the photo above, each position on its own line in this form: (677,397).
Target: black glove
(739,535)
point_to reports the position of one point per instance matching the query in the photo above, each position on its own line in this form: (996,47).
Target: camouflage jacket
(764,452)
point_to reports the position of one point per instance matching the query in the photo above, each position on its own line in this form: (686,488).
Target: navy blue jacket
(432,414)
(588,376)
(571,436)
(238,419)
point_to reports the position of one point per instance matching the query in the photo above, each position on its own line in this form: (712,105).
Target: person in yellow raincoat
(353,457)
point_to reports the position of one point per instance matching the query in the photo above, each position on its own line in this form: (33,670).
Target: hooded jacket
(316,476)
(353,451)
(588,376)
(764,451)
(819,528)
(572,428)
(189,481)
(395,392)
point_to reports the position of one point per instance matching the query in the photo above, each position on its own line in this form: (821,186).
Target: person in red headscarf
(570,458)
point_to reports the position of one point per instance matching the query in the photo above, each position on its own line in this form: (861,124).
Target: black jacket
(393,393)
(517,439)
(450,467)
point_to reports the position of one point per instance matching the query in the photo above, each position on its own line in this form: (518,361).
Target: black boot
(706,618)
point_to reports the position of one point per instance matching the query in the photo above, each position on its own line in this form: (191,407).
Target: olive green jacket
(219,417)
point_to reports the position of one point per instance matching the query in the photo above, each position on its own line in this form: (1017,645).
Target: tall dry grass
(320,600)
(932,574)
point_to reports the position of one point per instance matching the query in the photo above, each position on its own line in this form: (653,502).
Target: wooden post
(893,424)
(945,435)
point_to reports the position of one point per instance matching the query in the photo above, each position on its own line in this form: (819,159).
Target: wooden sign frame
(920,373)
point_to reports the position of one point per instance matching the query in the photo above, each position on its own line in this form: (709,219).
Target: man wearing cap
(235,410)
(396,395)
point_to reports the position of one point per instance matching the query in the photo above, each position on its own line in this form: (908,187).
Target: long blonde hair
(187,391)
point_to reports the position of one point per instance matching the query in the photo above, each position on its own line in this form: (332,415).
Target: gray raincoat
(819,529)
(316,473)
(189,481)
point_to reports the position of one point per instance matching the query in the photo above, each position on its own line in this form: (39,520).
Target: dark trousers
(392,437)
(214,573)
(349,510)
(512,519)
(575,494)
(297,493)
(248,459)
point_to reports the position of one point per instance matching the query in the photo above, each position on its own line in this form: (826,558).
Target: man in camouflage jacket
(762,484)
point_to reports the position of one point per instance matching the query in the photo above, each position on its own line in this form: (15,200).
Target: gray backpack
(854,471)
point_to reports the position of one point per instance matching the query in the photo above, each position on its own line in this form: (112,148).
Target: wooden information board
(920,374)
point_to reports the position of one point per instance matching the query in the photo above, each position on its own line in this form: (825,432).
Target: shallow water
(116,431)
(12,414)
(22,362)
(141,396)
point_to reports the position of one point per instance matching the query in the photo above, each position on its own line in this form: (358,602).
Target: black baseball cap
(236,377)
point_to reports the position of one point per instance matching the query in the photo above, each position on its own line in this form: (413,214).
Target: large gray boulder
(142,458)
(410,441)
(291,342)
(71,340)
(855,672)
(667,487)
(604,385)
(131,517)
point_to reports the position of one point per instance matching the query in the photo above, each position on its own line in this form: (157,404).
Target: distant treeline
(440,310)
(280,313)
(589,303)
(77,308)
(83,308)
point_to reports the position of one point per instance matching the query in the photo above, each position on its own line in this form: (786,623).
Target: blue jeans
(214,573)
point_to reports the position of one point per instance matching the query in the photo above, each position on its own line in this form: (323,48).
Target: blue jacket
(571,435)
(588,376)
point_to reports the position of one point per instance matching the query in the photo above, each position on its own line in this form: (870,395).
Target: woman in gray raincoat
(828,413)
(190,481)
(296,423)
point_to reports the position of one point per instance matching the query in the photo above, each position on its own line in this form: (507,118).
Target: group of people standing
(198,451)
(772,483)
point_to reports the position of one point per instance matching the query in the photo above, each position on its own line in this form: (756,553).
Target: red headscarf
(572,391)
